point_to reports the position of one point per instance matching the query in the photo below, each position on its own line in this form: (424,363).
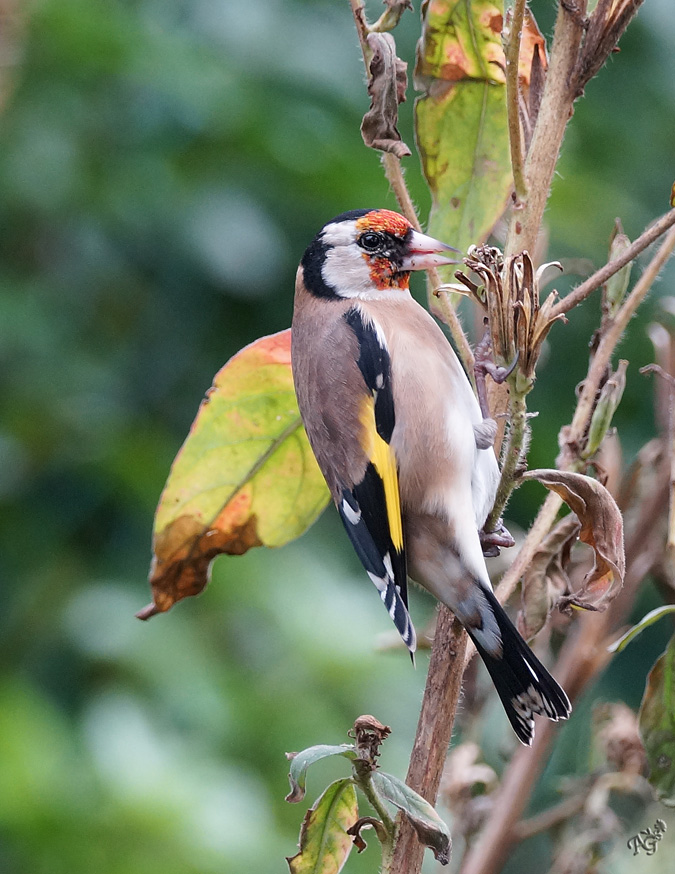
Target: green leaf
(462,126)
(301,761)
(245,476)
(647,620)
(430,828)
(324,842)
(657,725)
(461,120)
(463,141)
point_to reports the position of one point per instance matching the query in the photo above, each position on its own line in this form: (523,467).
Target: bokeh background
(162,168)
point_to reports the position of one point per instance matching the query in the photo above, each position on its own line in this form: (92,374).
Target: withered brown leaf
(546,580)
(601,528)
(387,86)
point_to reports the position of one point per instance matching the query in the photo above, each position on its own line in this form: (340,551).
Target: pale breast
(435,413)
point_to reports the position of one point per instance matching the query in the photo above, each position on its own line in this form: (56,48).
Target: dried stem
(581,292)
(512,55)
(434,729)
(448,314)
(542,822)
(578,662)
(610,339)
(359,13)
(394,173)
(513,455)
(554,113)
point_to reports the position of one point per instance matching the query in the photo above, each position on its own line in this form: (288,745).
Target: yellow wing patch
(382,456)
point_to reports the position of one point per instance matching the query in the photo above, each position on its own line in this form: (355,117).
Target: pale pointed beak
(424,252)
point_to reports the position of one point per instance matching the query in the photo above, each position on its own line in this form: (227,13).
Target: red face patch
(381,269)
(383,276)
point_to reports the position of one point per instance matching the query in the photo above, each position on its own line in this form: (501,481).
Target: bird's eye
(370,241)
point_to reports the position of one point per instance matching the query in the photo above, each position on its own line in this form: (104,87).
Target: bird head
(369,253)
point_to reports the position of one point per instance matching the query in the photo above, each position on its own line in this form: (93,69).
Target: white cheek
(346,270)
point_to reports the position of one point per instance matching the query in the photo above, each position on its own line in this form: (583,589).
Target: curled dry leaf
(364,823)
(601,528)
(244,477)
(387,85)
(545,581)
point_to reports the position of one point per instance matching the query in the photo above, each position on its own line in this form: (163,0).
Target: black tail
(522,682)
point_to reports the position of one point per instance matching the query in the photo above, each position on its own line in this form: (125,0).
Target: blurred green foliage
(162,167)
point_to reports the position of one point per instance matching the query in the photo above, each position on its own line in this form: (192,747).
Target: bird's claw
(491,541)
(484,364)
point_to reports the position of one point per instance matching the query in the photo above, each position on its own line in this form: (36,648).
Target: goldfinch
(398,434)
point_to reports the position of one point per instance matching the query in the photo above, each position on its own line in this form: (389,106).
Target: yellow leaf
(324,842)
(245,476)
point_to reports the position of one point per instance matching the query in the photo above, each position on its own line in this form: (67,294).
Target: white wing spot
(352,515)
(380,583)
(388,566)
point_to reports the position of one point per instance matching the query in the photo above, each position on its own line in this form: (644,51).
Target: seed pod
(610,398)
(614,290)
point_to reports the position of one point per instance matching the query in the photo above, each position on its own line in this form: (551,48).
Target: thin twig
(359,13)
(448,314)
(610,339)
(394,173)
(512,56)
(581,292)
(542,822)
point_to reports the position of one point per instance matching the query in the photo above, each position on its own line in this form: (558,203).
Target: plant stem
(362,777)
(394,173)
(512,55)
(448,314)
(434,729)
(581,292)
(513,455)
(579,660)
(547,819)
(610,339)
(554,113)
(359,13)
